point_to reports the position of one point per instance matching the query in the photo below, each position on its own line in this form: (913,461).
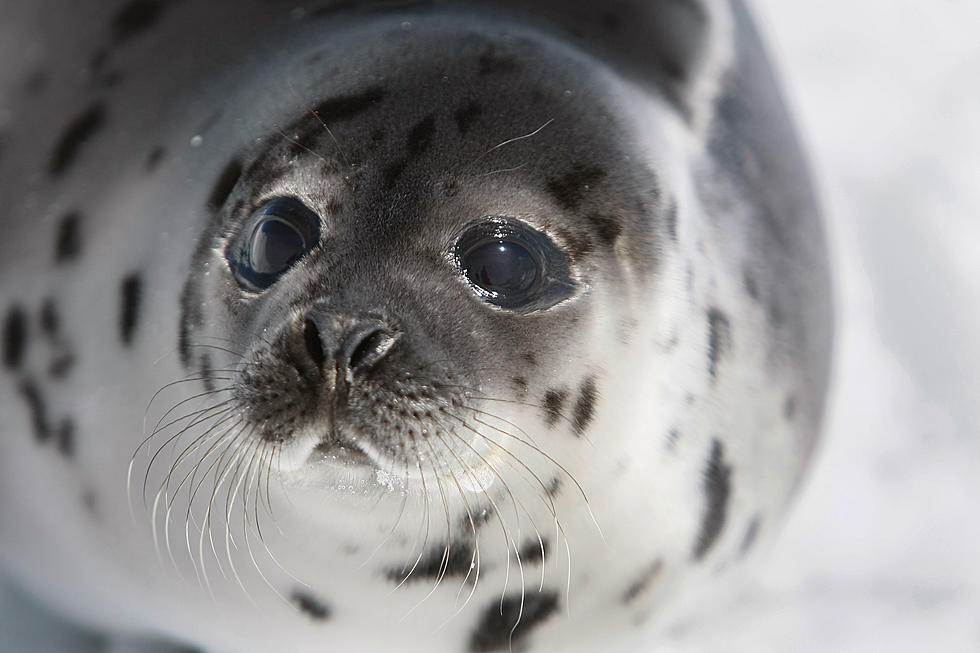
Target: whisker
(336,143)
(165,486)
(444,563)
(557,464)
(475,559)
(225,415)
(508,142)
(300,145)
(233,487)
(192,490)
(502,170)
(221,476)
(146,440)
(246,491)
(425,497)
(546,498)
(499,514)
(200,416)
(258,523)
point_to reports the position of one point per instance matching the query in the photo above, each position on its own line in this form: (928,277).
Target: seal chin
(342,453)
(311,447)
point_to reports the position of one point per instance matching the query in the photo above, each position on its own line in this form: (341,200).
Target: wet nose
(353,343)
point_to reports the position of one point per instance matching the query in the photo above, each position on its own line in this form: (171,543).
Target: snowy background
(883,550)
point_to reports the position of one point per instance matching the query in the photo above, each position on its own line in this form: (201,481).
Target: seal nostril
(311,334)
(372,347)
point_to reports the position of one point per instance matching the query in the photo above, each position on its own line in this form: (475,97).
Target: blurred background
(882,552)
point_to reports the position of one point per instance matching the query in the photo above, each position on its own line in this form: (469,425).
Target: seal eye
(513,266)
(279,233)
(501,267)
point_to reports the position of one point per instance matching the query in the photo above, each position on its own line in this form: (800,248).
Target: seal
(502,326)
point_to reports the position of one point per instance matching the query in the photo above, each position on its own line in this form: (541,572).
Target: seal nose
(352,343)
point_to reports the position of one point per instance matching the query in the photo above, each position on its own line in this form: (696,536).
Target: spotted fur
(370,452)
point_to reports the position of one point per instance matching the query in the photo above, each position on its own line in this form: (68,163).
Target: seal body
(444,326)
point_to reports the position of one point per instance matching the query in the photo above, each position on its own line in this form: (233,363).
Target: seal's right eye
(277,235)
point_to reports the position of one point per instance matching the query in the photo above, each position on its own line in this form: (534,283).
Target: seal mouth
(347,453)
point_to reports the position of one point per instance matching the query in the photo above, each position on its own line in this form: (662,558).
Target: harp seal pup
(437,326)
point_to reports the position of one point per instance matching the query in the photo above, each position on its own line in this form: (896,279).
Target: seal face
(471,321)
(377,289)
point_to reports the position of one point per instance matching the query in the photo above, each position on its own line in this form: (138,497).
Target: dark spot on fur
(505,625)
(190,316)
(392,172)
(576,246)
(346,107)
(14,337)
(420,137)
(62,365)
(554,487)
(223,186)
(49,320)
(670,221)
(435,564)
(492,63)
(719,334)
(130,298)
(154,158)
(673,435)
(206,375)
(584,409)
(534,551)
(569,189)
(68,239)
(35,404)
(607,227)
(135,17)
(642,582)
(314,608)
(65,438)
(554,400)
(789,407)
(466,114)
(480,518)
(717,488)
(520,385)
(82,127)
(751,533)
(530,358)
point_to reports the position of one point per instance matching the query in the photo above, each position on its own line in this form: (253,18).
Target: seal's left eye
(513,266)
(278,234)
